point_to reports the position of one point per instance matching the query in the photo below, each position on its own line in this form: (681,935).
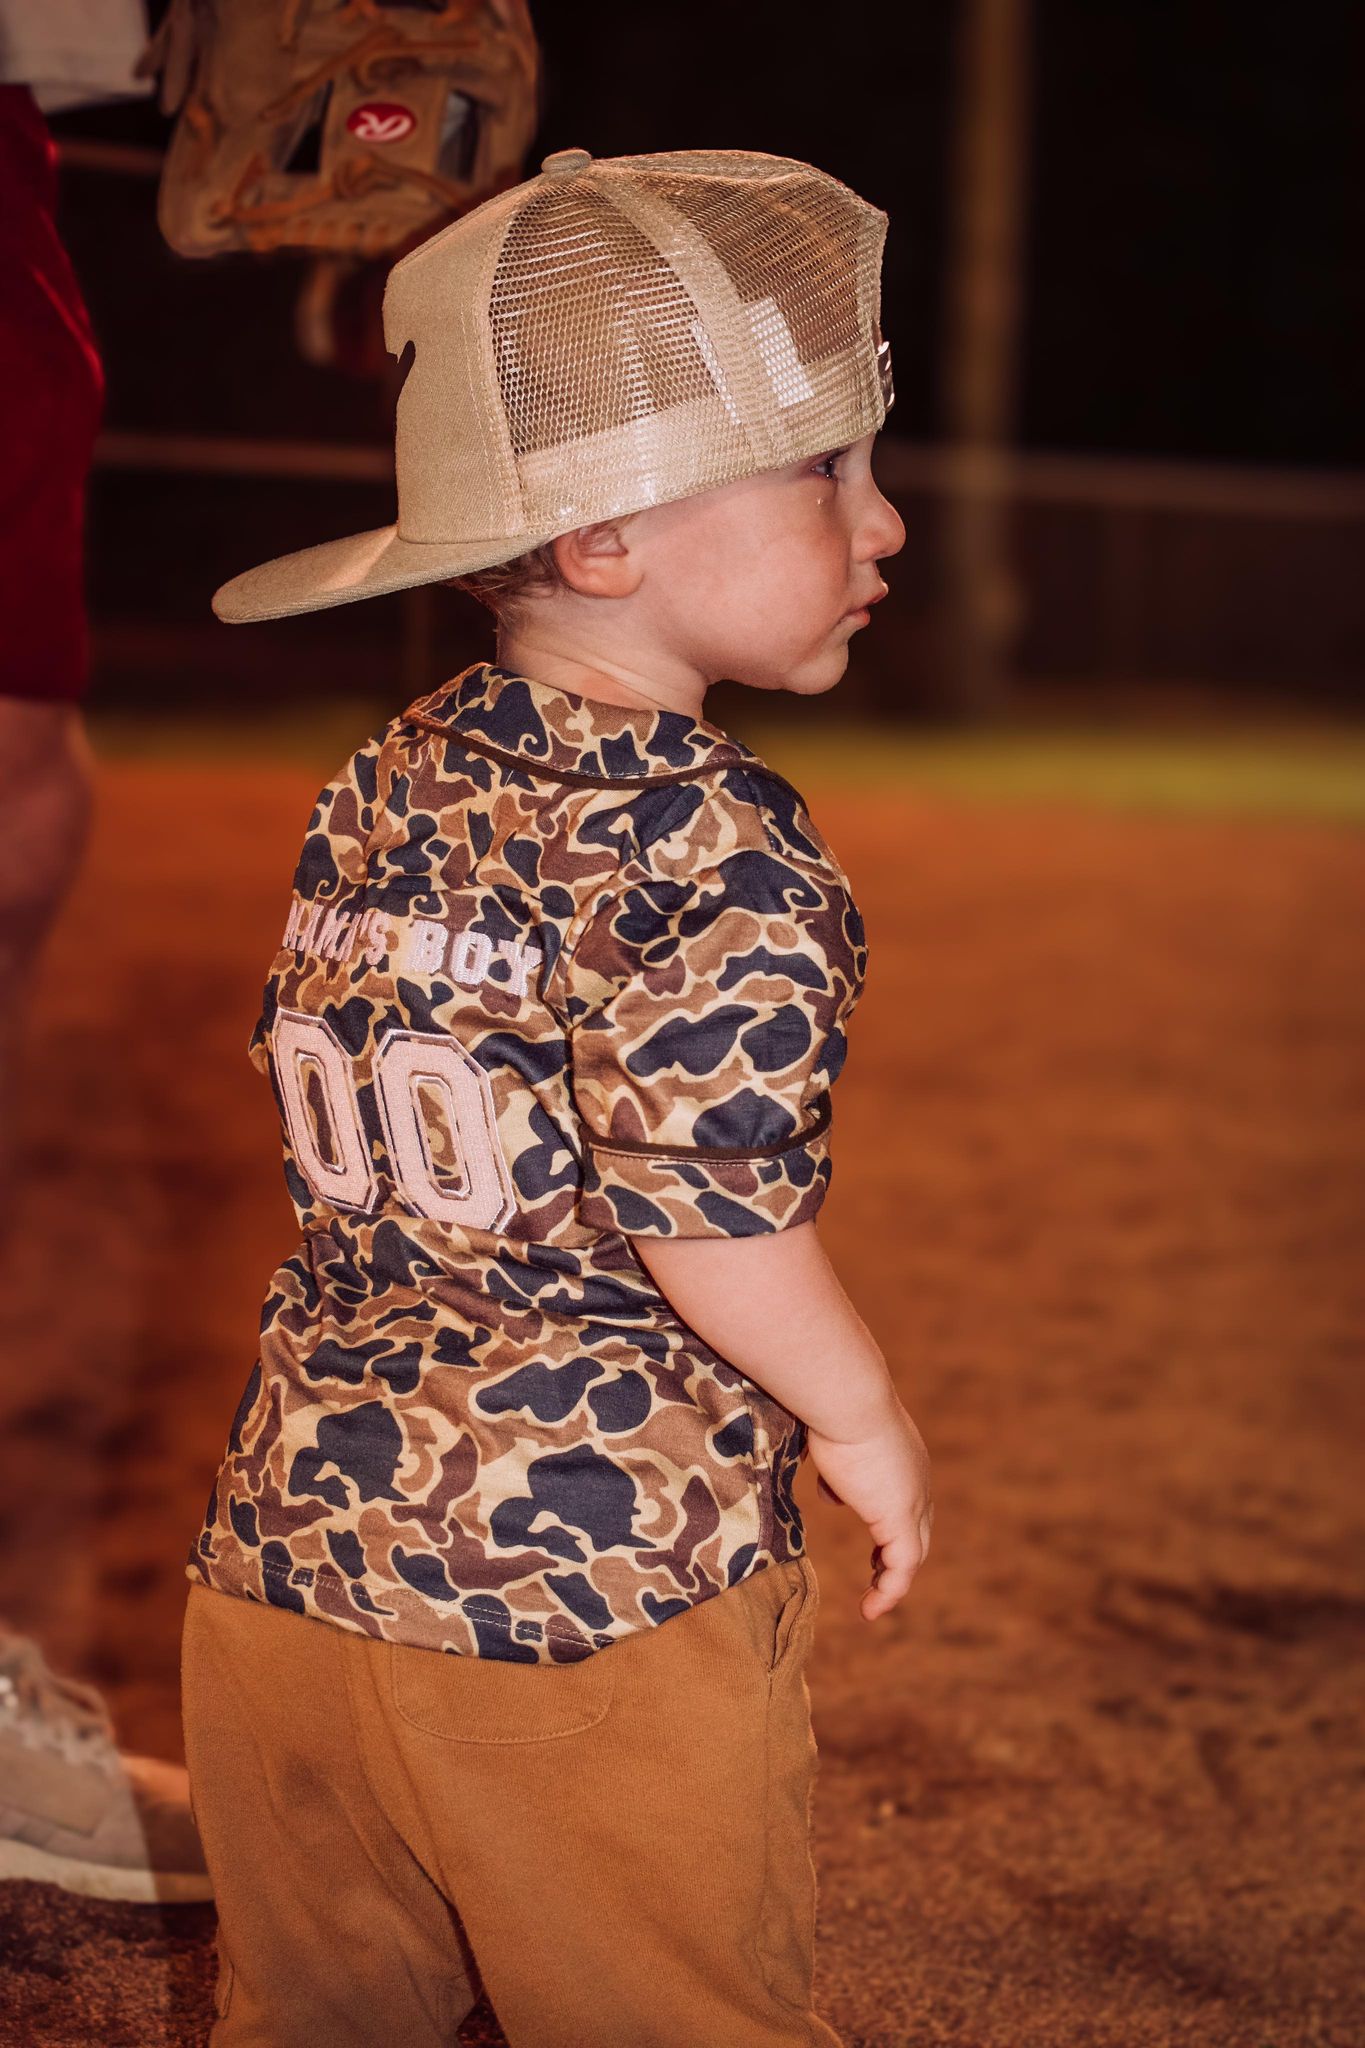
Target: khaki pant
(618,1848)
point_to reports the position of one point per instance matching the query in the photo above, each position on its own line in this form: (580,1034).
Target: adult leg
(73,1811)
(44,817)
(51,395)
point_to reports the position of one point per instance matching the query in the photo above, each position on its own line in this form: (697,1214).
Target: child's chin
(808,678)
(821,673)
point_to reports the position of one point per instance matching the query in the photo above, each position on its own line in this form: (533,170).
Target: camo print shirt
(555,974)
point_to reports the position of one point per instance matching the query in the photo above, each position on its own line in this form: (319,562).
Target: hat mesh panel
(613,373)
(589,323)
(800,247)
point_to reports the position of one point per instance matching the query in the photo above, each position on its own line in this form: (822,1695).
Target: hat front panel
(457,475)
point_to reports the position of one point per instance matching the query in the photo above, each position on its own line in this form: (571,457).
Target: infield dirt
(1099,1782)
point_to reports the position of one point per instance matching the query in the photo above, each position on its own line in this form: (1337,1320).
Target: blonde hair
(502,586)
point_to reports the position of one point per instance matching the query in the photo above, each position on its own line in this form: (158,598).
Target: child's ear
(598,561)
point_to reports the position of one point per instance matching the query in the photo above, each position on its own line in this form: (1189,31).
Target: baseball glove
(346,126)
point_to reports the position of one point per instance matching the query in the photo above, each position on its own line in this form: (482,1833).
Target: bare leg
(44,825)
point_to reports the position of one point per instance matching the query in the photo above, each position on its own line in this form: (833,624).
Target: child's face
(766,580)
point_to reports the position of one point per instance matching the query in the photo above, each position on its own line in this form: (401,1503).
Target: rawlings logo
(381,121)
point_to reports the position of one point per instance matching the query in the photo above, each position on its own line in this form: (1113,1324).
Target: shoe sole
(103,1880)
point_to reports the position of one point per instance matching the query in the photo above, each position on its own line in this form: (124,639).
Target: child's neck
(594,673)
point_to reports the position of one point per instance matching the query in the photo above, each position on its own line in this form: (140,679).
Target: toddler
(494,1660)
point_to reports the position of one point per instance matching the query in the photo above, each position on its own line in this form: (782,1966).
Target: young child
(562,992)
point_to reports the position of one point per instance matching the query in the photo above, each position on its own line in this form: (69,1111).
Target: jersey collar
(560,732)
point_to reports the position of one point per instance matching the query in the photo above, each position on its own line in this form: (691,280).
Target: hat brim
(362,565)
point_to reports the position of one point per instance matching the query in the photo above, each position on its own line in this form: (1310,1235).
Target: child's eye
(826,465)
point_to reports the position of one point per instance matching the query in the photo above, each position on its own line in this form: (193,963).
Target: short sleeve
(707,1026)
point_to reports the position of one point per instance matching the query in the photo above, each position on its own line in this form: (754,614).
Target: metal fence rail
(1026,476)
(1125,569)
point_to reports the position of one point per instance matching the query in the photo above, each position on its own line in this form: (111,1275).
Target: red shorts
(51,399)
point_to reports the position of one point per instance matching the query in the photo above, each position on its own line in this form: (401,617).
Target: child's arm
(773,1306)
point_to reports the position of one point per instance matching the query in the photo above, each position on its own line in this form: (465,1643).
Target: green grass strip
(1317,775)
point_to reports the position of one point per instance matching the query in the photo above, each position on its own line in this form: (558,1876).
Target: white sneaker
(76,1813)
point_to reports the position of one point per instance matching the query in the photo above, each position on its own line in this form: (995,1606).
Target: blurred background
(1126,307)
(1097,775)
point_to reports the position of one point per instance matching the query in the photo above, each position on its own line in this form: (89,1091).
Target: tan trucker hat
(612,334)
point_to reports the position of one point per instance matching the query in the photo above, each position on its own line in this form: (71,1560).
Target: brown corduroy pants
(617,1848)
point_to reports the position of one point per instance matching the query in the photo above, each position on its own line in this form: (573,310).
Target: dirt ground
(1100,1781)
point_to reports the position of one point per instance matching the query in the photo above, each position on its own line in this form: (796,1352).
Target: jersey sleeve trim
(635,1146)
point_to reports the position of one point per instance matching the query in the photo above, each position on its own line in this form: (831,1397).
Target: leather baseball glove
(345,126)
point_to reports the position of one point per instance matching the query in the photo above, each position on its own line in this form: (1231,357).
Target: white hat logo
(381,121)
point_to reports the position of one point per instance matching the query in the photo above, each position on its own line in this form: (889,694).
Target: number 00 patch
(440,1123)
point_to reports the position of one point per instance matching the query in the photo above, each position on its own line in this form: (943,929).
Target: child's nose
(883,531)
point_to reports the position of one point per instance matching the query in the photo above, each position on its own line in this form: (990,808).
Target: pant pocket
(480,1699)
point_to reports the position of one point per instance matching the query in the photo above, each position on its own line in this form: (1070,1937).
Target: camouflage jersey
(555,974)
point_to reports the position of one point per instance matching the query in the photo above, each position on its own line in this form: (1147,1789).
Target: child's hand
(885,1479)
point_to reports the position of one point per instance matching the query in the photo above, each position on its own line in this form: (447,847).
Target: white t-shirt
(71,52)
